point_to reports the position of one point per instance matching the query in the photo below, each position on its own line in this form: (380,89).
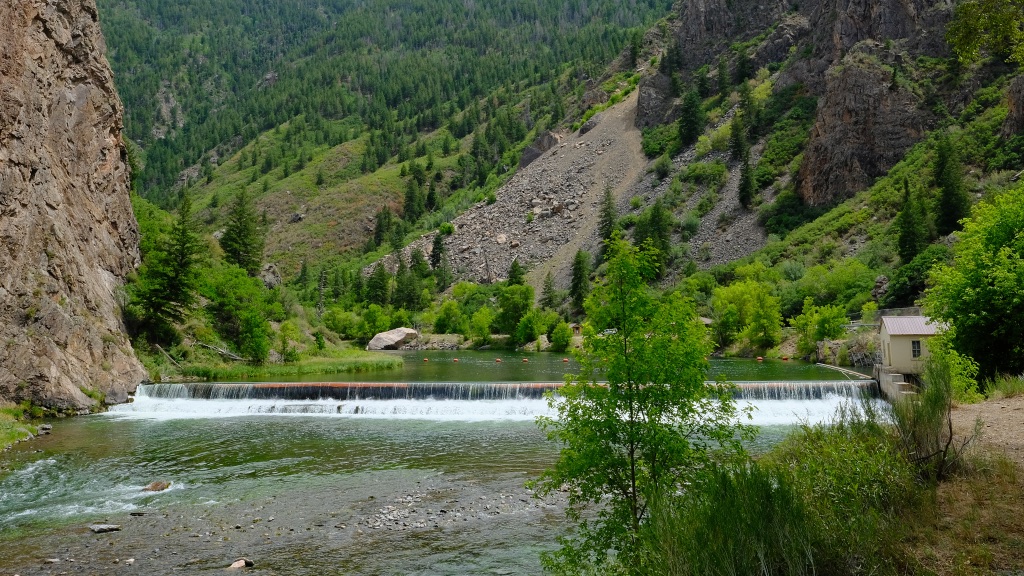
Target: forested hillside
(202,79)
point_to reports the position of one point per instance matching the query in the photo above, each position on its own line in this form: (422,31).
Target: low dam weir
(466,391)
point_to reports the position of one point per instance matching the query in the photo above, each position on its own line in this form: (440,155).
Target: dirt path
(1002,425)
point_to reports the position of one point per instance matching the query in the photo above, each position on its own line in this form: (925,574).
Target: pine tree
(910,224)
(579,287)
(382,226)
(378,286)
(746,188)
(691,119)
(244,237)
(166,290)
(948,173)
(738,146)
(724,88)
(516,274)
(607,220)
(437,251)
(547,293)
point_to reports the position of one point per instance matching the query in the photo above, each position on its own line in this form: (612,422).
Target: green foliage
(662,166)
(238,308)
(978,296)
(746,185)
(924,422)
(608,219)
(739,146)
(450,319)
(165,290)
(992,25)
(514,302)
(788,212)
(854,481)
(654,427)
(909,280)
(660,140)
(378,286)
(691,119)
(910,224)
(516,274)
(748,519)
(579,285)
(764,330)
(549,298)
(243,237)
(948,173)
(817,323)
(481,322)
(713,174)
(561,337)
(654,227)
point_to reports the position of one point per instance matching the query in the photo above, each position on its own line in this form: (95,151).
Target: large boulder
(392,339)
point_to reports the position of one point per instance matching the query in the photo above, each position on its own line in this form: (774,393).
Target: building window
(915,348)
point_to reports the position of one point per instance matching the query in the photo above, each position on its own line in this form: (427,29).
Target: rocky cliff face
(67,234)
(1014,123)
(865,125)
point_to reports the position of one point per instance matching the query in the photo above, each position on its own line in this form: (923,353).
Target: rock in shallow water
(102,528)
(392,339)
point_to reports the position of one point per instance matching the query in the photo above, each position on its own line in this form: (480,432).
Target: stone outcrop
(865,125)
(68,236)
(1014,123)
(392,339)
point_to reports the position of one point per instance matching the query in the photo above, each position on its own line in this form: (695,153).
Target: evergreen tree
(724,88)
(579,287)
(437,251)
(913,237)
(746,187)
(243,237)
(948,173)
(691,119)
(166,289)
(738,146)
(607,220)
(378,286)
(384,223)
(654,227)
(547,293)
(516,274)
(414,202)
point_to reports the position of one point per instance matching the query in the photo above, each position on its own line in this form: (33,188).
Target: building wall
(897,353)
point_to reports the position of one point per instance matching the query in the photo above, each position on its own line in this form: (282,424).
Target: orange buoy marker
(565,359)
(455,360)
(760,359)
(526,360)
(785,357)
(497,359)
(426,359)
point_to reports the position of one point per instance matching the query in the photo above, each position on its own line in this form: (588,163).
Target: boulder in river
(241,563)
(392,339)
(158,486)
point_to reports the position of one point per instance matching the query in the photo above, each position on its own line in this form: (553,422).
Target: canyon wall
(68,237)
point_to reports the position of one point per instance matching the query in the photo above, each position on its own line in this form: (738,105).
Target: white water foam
(765,412)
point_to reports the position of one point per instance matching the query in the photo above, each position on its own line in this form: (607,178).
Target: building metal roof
(909,326)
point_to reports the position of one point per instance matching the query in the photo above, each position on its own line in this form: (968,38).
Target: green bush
(561,336)
(713,174)
(659,140)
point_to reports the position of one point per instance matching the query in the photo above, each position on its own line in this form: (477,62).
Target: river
(362,486)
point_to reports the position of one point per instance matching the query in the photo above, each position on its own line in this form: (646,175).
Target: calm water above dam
(429,485)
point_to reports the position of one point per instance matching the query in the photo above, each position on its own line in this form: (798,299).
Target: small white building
(904,341)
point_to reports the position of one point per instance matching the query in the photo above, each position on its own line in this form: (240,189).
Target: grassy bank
(12,427)
(355,362)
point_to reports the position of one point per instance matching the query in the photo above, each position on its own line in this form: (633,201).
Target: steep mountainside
(67,234)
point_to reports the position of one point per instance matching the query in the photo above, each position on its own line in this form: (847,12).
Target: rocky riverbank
(403,522)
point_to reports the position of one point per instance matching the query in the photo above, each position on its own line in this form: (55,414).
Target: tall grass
(1004,386)
(749,520)
(827,500)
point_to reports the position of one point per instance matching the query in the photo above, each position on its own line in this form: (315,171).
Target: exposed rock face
(68,236)
(1014,123)
(864,127)
(655,101)
(392,339)
(708,27)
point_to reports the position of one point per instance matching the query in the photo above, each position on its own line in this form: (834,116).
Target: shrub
(713,174)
